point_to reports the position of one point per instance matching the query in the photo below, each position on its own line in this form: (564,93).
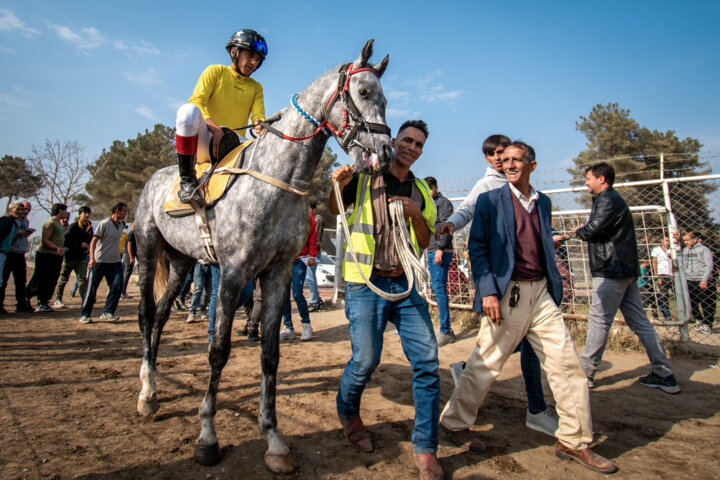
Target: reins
(350,112)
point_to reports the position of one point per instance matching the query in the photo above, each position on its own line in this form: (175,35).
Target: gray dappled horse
(258,229)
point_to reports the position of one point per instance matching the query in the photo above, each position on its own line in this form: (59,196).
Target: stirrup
(196,199)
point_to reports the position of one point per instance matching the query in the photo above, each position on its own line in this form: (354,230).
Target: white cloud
(146,112)
(11,101)
(9,22)
(85,38)
(398,112)
(436,94)
(141,48)
(148,77)
(431,90)
(397,95)
(9,50)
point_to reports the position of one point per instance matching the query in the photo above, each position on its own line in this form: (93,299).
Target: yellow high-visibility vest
(361,226)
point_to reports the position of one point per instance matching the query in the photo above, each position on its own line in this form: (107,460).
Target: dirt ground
(69,394)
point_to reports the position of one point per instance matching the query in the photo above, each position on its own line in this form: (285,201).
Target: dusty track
(69,393)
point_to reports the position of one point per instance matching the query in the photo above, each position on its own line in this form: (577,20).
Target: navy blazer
(492,245)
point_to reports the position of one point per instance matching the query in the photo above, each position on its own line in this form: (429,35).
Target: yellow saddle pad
(214,189)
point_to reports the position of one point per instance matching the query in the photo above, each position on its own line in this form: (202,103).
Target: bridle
(352,119)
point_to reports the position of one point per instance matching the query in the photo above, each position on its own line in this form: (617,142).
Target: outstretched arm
(601,219)
(343,175)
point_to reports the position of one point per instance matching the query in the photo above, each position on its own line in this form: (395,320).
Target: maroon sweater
(528,244)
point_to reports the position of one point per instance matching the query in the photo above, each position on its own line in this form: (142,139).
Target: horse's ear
(365,55)
(380,67)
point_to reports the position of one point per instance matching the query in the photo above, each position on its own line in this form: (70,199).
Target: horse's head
(358,105)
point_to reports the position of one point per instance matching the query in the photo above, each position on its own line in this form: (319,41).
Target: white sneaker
(545,422)
(109,316)
(705,329)
(307,332)
(58,304)
(287,334)
(456,369)
(85,319)
(192,317)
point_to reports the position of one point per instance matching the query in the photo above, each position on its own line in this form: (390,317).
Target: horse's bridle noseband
(351,112)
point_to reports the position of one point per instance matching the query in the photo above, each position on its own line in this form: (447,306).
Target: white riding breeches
(189,123)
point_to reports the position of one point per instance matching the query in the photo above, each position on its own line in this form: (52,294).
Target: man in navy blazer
(518,288)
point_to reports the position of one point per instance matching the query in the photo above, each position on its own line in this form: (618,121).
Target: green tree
(62,169)
(17,180)
(634,151)
(120,172)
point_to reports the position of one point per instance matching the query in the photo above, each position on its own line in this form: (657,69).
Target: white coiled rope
(414,269)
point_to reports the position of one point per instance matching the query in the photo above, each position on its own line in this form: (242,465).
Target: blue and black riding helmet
(248,39)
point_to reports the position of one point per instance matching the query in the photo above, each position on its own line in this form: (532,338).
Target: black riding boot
(188,182)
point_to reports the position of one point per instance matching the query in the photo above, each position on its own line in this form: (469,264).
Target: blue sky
(100,71)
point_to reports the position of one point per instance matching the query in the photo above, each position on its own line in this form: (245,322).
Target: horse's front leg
(275,292)
(228,285)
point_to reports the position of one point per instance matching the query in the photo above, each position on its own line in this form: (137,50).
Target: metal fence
(667,199)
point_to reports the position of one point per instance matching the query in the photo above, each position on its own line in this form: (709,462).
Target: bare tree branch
(62,168)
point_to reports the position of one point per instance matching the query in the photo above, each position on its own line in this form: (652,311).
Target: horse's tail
(161,278)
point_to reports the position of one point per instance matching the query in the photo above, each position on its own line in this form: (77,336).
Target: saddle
(215,186)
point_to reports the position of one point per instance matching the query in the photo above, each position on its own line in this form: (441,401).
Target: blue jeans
(532,374)
(2,266)
(245,294)
(311,281)
(202,279)
(438,278)
(298,281)
(609,295)
(186,286)
(113,273)
(368,315)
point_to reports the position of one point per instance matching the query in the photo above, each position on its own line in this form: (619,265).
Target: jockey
(224,95)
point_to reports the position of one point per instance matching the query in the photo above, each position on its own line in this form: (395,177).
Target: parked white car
(325,273)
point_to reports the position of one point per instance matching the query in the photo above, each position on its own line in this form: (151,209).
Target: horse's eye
(363,92)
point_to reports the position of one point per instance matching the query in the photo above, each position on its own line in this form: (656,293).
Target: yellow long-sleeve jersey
(228,97)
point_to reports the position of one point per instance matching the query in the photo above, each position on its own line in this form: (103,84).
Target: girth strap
(205,235)
(261,176)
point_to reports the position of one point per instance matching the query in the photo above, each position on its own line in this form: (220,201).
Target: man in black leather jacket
(612,249)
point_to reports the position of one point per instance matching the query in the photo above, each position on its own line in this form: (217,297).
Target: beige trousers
(537,317)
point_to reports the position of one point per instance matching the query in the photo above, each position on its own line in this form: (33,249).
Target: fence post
(682,296)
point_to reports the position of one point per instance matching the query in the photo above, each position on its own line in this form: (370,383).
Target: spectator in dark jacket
(612,249)
(7,233)
(128,260)
(15,259)
(439,257)
(77,242)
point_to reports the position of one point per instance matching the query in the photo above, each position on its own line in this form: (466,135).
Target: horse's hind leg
(274,285)
(155,319)
(150,246)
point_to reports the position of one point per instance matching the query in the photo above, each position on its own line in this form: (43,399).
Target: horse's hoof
(207,455)
(147,407)
(279,463)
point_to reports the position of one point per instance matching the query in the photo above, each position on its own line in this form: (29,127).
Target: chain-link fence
(669,201)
